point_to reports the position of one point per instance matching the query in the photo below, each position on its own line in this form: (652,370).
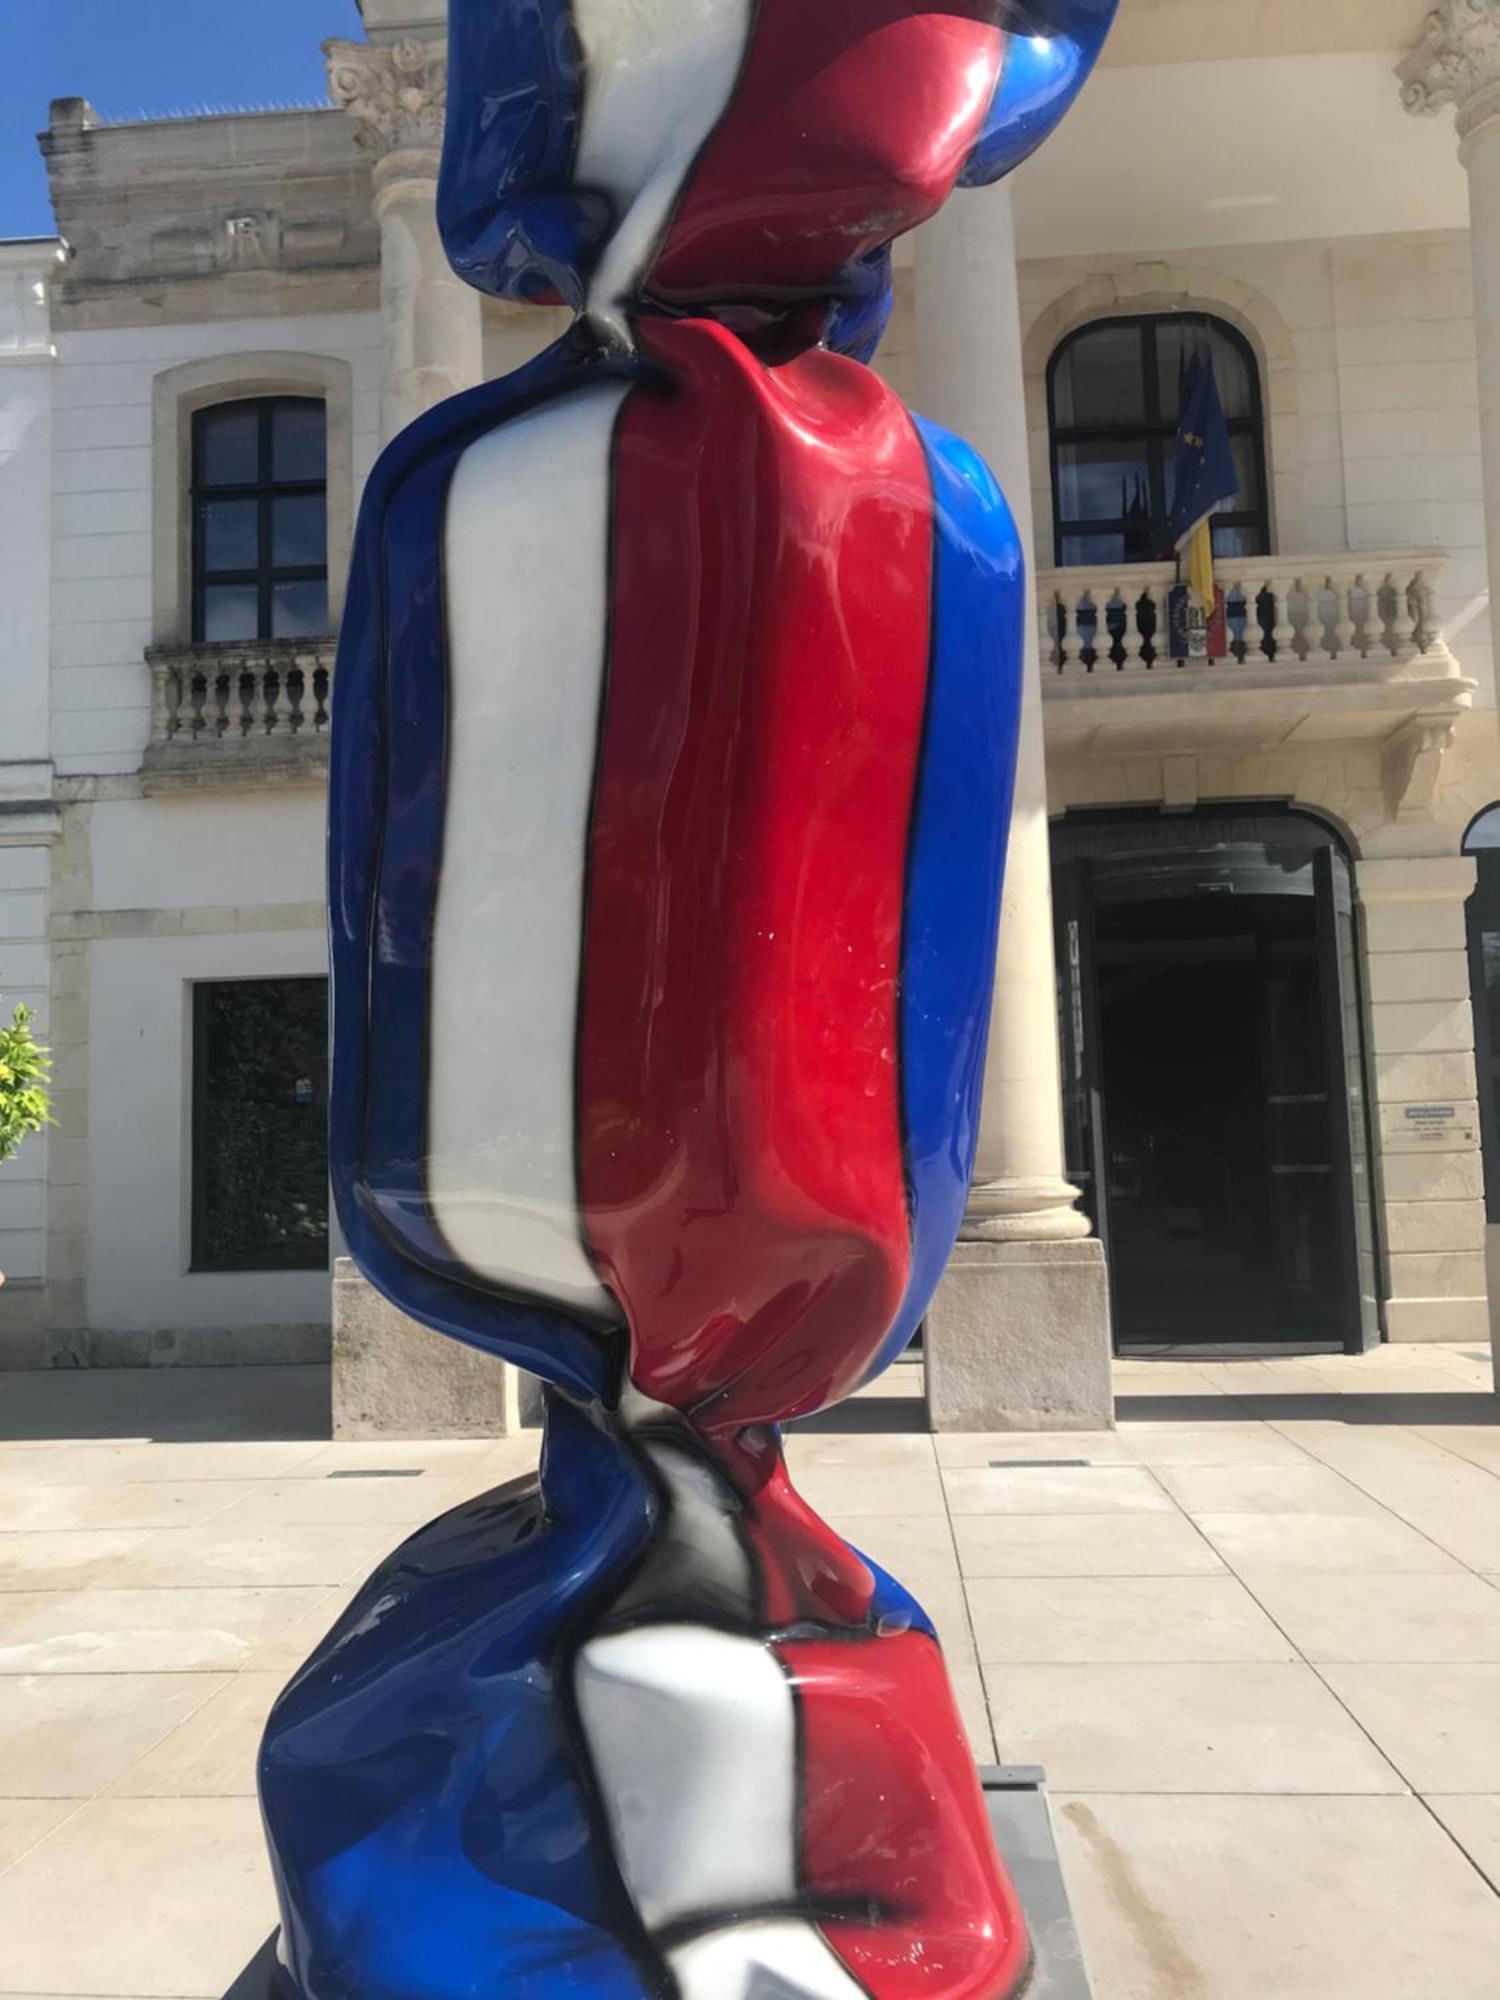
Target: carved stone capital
(1456,61)
(397,93)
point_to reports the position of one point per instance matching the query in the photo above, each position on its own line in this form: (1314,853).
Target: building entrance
(1214,1092)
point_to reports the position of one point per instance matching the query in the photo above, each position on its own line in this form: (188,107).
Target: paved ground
(1254,1638)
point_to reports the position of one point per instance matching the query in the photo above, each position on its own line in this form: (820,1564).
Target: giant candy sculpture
(676,706)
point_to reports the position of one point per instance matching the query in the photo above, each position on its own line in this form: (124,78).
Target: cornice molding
(396,93)
(1457,62)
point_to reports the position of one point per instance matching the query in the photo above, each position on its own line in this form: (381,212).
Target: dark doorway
(260,1125)
(1215,1108)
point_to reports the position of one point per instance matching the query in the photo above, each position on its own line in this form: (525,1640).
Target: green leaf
(25,1071)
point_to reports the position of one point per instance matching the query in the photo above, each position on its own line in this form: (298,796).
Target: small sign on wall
(1429,1128)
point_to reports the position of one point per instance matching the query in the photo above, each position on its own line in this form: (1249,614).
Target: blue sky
(147,58)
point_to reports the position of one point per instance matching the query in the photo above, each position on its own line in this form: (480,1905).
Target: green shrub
(24,1070)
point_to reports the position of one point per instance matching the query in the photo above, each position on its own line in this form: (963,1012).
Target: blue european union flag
(1204,475)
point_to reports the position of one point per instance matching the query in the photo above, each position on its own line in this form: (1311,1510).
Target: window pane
(1484,833)
(1232,542)
(260,1090)
(1248,499)
(1101,379)
(1084,549)
(299,441)
(1490,952)
(1178,339)
(231,534)
(228,445)
(299,533)
(299,610)
(1103,482)
(230,611)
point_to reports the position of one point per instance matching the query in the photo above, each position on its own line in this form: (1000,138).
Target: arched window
(260,519)
(1113,403)
(1483,841)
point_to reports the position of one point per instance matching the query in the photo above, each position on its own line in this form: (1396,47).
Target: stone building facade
(1265,863)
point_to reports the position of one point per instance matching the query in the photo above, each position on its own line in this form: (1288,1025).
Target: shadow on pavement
(867,1416)
(1408,1407)
(258,1980)
(166,1405)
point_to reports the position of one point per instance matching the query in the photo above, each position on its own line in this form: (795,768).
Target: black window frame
(1157,433)
(264,490)
(200,1262)
(1481,917)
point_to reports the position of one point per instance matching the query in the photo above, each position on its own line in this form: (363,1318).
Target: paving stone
(1228,1727)
(1236,1898)
(177,1894)
(62,1558)
(1437,1619)
(1031,1489)
(146,1503)
(1474,1823)
(1040,1620)
(1365,1545)
(841,1491)
(145,1631)
(1061,1448)
(993,1545)
(1439,1725)
(274,1557)
(1223,1445)
(212,1754)
(68,1736)
(23,1822)
(1263,1489)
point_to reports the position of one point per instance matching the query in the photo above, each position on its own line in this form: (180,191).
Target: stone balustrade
(1354,617)
(254,710)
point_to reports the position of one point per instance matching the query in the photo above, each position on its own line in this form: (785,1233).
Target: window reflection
(260,520)
(1114,405)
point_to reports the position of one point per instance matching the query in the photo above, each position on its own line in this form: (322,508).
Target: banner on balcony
(1197,632)
(1204,478)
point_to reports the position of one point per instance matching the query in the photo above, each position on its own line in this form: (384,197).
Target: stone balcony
(239,712)
(1323,649)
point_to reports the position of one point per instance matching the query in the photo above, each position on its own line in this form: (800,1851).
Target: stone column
(1457,62)
(396,93)
(391,1377)
(1019,1334)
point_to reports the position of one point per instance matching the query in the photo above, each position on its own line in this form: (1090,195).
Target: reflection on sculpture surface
(676,713)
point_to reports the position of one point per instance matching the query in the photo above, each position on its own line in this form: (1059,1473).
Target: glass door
(1084,1138)
(1214,1105)
(1338,945)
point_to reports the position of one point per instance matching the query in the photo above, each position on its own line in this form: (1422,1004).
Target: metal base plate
(1017,1798)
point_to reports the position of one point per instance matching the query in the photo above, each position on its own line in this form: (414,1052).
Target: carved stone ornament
(1456,61)
(397,95)
(1413,762)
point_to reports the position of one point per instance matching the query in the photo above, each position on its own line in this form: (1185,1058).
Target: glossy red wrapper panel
(799,178)
(740,1144)
(893,1817)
